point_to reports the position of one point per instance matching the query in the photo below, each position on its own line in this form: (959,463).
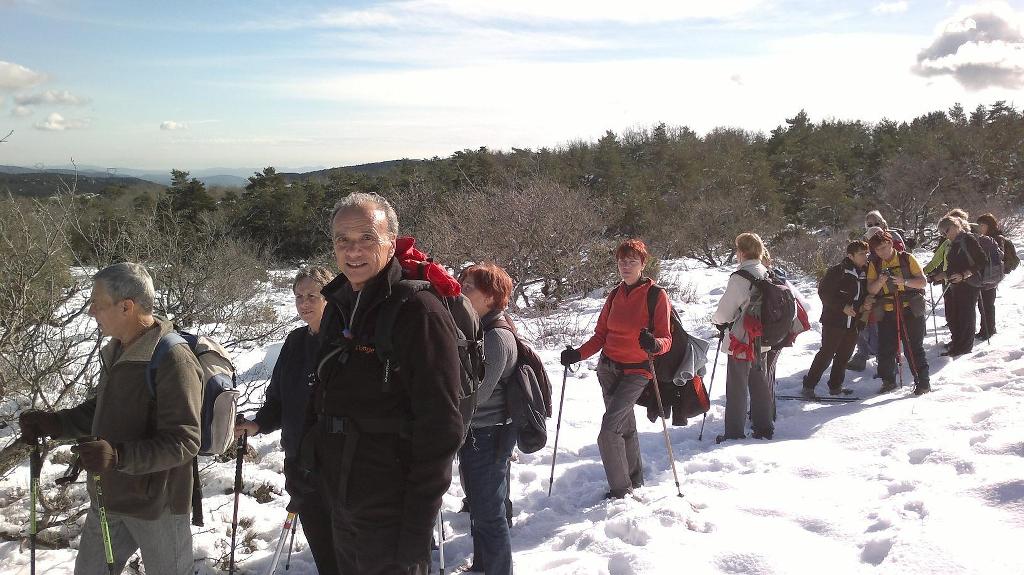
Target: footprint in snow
(981,416)
(876,550)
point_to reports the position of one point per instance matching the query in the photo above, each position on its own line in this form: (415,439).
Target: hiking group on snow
(401,368)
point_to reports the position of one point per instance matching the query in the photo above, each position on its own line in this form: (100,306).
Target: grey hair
(878,216)
(365,199)
(318,274)
(127,280)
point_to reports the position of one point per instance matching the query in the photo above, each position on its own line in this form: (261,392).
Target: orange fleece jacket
(618,327)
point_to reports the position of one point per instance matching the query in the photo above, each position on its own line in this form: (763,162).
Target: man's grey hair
(364,199)
(127,280)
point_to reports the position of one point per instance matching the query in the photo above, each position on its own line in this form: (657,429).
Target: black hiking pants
(837,345)
(965,298)
(987,308)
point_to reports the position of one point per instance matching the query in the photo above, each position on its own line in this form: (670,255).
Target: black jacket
(288,392)
(406,471)
(844,284)
(957,259)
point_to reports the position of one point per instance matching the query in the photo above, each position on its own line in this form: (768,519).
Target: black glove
(96,456)
(36,424)
(722,328)
(647,342)
(570,356)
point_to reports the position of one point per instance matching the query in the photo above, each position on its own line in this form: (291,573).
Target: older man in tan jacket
(139,445)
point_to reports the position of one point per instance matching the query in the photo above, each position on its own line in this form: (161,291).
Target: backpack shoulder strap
(745,274)
(162,348)
(401,292)
(652,302)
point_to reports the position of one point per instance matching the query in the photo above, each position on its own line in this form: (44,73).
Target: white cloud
(58,123)
(17,77)
(980,47)
(21,111)
(172,125)
(412,13)
(898,7)
(51,97)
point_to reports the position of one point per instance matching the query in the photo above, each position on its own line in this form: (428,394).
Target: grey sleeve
(499,357)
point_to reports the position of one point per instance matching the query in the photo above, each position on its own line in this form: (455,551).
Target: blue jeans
(483,461)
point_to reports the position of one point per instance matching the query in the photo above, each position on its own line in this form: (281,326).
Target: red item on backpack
(417,265)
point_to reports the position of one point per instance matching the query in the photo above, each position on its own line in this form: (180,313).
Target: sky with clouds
(198,84)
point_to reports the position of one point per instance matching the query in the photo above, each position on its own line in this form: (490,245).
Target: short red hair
(492,280)
(632,248)
(878,239)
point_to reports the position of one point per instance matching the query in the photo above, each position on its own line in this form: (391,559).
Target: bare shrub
(545,235)
(206,280)
(810,253)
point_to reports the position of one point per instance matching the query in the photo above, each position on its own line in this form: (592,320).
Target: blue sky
(202,84)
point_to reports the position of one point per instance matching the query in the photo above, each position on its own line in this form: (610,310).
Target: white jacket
(735,301)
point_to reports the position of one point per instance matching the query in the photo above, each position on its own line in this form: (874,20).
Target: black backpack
(773,306)
(527,393)
(990,272)
(468,336)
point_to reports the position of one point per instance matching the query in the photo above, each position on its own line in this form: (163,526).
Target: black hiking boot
(857,363)
(762,434)
(721,438)
(887,386)
(616,493)
(922,388)
(808,392)
(840,391)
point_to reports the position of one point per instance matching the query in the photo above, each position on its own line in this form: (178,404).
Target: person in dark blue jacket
(285,406)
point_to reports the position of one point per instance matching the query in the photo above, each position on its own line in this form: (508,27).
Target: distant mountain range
(225,177)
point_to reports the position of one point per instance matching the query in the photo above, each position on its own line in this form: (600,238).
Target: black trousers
(837,345)
(987,307)
(911,330)
(315,520)
(965,298)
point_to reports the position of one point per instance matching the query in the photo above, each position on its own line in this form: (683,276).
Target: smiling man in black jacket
(381,437)
(842,292)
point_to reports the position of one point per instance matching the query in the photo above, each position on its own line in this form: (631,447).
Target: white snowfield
(891,484)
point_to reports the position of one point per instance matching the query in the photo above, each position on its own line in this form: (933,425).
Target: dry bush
(812,254)
(548,237)
(206,280)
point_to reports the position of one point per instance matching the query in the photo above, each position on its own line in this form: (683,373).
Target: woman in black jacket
(987,225)
(285,405)
(964,259)
(842,292)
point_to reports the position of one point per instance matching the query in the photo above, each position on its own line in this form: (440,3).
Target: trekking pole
(101,512)
(440,544)
(935,321)
(898,310)
(711,384)
(558,426)
(240,453)
(289,522)
(35,466)
(291,543)
(664,426)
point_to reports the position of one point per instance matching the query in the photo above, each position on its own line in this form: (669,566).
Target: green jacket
(156,437)
(939,259)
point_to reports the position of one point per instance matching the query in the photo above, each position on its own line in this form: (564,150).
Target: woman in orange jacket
(628,334)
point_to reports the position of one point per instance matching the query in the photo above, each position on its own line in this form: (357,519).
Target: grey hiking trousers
(617,441)
(166,544)
(747,385)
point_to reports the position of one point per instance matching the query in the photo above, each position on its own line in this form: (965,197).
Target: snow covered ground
(889,484)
